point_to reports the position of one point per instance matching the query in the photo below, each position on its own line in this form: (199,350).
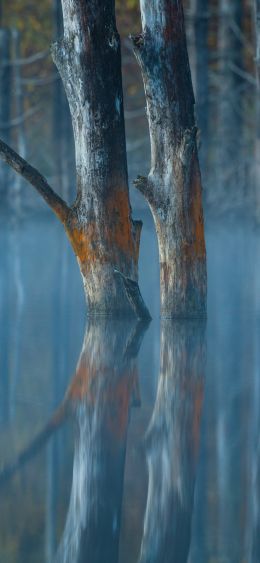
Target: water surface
(153,456)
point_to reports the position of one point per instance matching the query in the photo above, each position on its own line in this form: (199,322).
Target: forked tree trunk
(100,226)
(173,187)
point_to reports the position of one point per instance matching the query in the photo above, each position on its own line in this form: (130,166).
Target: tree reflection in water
(99,398)
(101,394)
(172,443)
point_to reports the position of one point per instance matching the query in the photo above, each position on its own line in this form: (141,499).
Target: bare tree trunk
(100,227)
(230,165)
(62,131)
(173,187)
(257,143)
(202,77)
(257,32)
(173,443)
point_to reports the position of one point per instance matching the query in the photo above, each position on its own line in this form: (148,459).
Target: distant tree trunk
(62,133)
(5,321)
(99,225)
(173,187)
(202,77)
(257,147)
(230,166)
(172,444)
(5,105)
(257,32)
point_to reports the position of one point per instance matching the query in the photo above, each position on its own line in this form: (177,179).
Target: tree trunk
(257,142)
(99,226)
(230,165)
(5,106)
(173,187)
(257,33)
(62,130)
(173,442)
(202,77)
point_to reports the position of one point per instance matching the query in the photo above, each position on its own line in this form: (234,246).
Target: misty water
(153,455)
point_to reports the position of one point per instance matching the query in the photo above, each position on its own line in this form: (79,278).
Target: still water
(122,442)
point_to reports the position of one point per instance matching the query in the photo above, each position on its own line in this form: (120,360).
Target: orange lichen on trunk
(104,239)
(119,229)
(195,248)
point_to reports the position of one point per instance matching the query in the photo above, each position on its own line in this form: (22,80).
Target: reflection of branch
(35,445)
(136,338)
(77,384)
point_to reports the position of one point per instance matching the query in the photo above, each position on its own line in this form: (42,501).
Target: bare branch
(38,181)
(16,121)
(32,59)
(49,79)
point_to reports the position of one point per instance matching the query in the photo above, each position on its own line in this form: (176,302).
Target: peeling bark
(173,187)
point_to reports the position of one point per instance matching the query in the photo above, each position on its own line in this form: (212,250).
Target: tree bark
(173,187)
(100,226)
